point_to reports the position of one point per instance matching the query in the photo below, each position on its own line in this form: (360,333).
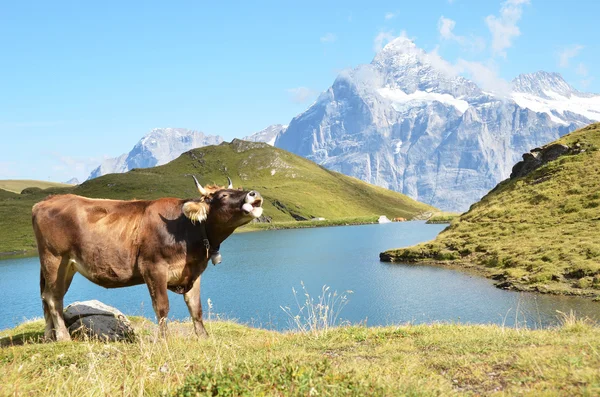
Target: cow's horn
(199,186)
(230,183)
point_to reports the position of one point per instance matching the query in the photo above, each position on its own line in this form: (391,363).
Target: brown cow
(164,243)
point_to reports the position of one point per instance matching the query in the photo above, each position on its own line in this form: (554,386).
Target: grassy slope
(422,360)
(540,232)
(298,188)
(17,185)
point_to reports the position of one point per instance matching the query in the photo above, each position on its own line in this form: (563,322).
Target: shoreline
(498,280)
(250,228)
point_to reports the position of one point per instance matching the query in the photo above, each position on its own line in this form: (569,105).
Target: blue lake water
(260,269)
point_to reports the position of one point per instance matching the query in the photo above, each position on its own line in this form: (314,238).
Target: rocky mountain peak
(402,65)
(158,147)
(542,84)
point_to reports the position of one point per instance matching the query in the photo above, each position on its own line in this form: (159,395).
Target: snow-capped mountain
(72,181)
(158,147)
(268,135)
(408,122)
(549,93)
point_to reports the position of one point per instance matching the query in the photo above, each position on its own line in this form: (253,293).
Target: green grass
(539,233)
(17,185)
(443,217)
(294,188)
(414,360)
(364,220)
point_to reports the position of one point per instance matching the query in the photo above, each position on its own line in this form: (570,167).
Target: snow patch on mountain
(402,100)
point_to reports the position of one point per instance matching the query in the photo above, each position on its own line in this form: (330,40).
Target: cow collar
(211,252)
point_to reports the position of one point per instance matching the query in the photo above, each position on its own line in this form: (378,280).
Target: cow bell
(216,258)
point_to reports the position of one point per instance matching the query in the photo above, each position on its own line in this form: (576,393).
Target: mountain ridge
(293,188)
(408,122)
(158,147)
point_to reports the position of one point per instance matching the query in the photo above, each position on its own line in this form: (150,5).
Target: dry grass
(17,185)
(422,360)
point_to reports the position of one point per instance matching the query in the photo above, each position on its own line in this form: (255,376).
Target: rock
(383,219)
(538,157)
(97,320)
(262,219)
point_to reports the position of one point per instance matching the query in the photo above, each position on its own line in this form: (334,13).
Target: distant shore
(252,227)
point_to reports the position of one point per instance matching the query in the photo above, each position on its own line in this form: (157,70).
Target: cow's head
(224,207)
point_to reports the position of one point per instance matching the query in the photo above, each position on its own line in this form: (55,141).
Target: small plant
(317,315)
(570,322)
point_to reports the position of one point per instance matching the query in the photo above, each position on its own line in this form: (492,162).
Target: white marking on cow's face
(253,204)
(195,211)
(250,199)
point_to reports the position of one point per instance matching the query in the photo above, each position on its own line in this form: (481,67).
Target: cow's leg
(194,304)
(157,285)
(55,274)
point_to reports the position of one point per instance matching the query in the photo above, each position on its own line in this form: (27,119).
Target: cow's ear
(195,211)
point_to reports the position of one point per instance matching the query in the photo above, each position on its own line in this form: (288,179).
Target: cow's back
(100,237)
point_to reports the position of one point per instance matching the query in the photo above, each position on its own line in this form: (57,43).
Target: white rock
(383,219)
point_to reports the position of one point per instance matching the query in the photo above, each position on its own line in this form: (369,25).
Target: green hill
(538,232)
(294,188)
(17,185)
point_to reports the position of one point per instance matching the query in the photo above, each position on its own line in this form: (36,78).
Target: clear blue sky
(83,80)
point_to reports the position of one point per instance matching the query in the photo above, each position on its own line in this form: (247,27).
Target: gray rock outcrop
(94,319)
(538,157)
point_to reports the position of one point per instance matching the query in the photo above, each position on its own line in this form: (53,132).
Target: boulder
(383,219)
(97,320)
(538,157)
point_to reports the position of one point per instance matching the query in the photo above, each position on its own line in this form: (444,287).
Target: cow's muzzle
(253,204)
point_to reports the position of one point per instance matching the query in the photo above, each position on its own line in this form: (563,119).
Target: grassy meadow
(294,189)
(538,233)
(17,185)
(236,360)
(443,217)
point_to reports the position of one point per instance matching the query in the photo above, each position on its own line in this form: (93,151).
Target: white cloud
(441,64)
(581,70)
(328,38)
(301,94)
(504,28)
(564,56)
(66,167)
(382,39)
(390,15)
(446,29)
(485,75)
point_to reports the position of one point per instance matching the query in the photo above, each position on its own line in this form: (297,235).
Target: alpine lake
(255,282)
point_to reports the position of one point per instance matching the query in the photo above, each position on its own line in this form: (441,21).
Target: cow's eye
(223,196)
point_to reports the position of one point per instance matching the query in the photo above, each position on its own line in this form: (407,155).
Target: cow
(163,243)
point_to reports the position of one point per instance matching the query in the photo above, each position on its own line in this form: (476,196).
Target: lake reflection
(259,270)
